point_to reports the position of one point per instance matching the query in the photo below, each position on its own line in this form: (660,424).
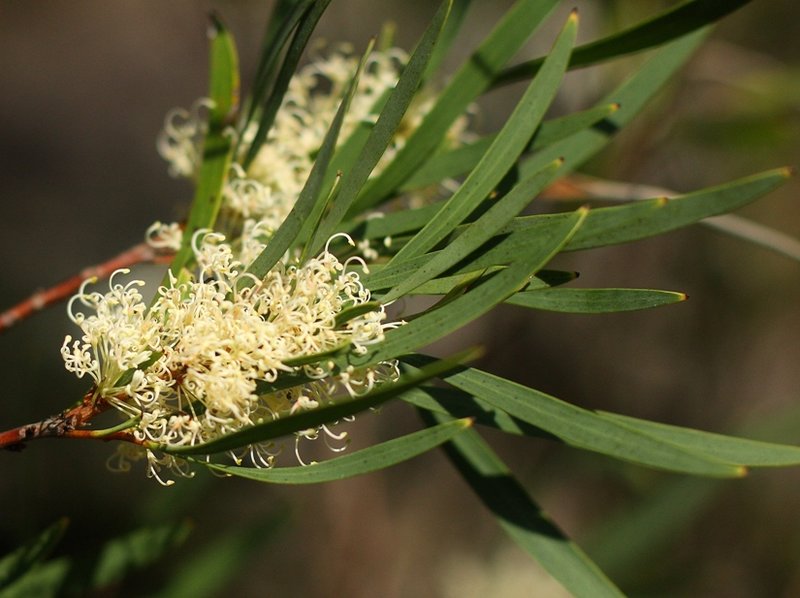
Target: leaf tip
(741,471)
(682,296)
(615,106)
(788,171)
(573,15)
(466,422)
(215,25)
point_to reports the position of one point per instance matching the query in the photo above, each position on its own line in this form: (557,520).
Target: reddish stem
(64,425)
(138,254)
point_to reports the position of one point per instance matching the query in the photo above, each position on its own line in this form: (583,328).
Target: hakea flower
(185,371)
(268,189)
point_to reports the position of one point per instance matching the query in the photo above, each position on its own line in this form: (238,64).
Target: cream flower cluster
(269,188)
(186,370)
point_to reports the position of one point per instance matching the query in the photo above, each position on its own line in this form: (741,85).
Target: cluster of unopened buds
(185,371)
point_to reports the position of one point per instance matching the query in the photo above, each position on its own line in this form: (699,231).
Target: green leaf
(321,415)
(667,26)
(632,95)
(584,429)
(305,28)
(210,570)
(77,576)
(594,301)
(468,83)
(436,323)
(463,159)
(384,129)
(284,19)
(23,559)
(620,224)
(752,453)
(500,157)
(366,460)
(637,538)
(310,200)
(483,229)
(218,144)
(523,519)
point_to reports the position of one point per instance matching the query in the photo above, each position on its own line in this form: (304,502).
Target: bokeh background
(85,86)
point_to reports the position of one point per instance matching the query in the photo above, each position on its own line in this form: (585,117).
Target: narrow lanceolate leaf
(18,563)
(503,152)
(284,19)
(468,83)
(752,453)
(640,536)
(366,460)
(436,323)
(463,159)
(384,129)
(86,575)
(310,197)
(637,220)
(523,519)
(632,95)
(483,229)
(320,415)
(619,224)
(584,429)
(210,571)
(594,301)
(455,19)
(218,144)
(663,28)
(305,27)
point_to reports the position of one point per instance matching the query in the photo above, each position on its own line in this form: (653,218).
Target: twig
(139,254)
(67,424)
(582,187)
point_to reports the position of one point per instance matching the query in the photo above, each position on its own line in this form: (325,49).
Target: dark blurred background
(85,86)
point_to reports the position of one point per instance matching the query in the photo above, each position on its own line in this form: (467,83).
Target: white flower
(187,369)
(268,189)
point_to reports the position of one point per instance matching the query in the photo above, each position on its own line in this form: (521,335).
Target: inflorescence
(186,370)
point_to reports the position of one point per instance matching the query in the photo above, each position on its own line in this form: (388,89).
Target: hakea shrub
(267,325)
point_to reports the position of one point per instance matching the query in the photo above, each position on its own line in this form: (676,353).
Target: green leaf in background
(374,458)
(383,131)
(594,301)
(669,25)
(474,77)
(77,576)
(211,569)
(218,144)
(522,518)
(23,559)
(625,543)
